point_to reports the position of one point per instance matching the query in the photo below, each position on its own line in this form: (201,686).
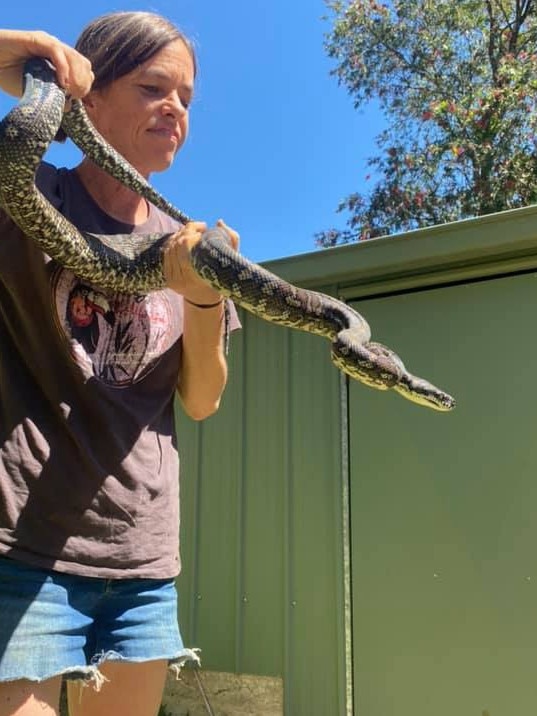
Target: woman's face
(144,115)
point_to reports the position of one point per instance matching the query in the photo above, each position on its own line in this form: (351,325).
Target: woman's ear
(90,102)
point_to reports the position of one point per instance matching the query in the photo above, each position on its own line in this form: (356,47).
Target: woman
(88,460)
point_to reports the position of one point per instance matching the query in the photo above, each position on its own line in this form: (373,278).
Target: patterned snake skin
(133,263)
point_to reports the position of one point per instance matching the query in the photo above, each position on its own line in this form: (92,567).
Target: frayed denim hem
(175,665)
(91,675)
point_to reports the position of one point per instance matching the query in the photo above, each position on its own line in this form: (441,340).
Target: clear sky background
(275,143)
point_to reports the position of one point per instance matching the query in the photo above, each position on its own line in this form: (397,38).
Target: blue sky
(275,142)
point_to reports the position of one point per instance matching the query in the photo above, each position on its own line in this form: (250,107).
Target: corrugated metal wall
(444,510)
(439,523)
(262,512)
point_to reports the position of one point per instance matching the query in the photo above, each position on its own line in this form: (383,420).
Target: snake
(134,263)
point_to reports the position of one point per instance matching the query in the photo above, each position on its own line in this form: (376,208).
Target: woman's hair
(118,42)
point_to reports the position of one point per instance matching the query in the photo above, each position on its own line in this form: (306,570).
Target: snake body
(133,263)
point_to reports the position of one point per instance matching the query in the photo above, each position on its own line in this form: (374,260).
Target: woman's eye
(156,91)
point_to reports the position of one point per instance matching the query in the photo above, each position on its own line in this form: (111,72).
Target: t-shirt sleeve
(234,320)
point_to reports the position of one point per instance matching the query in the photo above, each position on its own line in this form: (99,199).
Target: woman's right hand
(16,46)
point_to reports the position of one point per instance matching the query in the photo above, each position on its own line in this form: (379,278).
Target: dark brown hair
(118,42)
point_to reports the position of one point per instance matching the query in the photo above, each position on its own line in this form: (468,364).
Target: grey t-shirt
(89,464)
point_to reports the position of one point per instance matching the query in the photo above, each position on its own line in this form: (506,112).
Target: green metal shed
(378,556)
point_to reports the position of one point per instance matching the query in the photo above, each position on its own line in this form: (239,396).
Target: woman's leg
(30,698)
(130,689)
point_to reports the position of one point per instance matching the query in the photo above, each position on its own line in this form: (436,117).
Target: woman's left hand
(178,271)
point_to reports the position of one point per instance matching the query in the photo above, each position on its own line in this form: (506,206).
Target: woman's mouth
(165,133)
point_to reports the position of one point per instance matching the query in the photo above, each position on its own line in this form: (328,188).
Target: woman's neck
(111,196)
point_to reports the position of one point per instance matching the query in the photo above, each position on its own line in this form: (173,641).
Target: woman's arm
(203,369)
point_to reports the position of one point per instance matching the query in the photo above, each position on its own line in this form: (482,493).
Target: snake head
(438,400)
(422,392)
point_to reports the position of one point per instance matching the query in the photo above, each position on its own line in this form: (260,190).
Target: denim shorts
(53,623)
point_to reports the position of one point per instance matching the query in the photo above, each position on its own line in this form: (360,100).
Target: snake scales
(133,263)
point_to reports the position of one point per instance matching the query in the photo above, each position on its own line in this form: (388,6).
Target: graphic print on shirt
(115,337)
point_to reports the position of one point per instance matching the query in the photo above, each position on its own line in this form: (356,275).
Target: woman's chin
(157,165)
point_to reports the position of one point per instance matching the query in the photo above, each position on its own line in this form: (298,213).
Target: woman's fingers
(16,46)
(233,235)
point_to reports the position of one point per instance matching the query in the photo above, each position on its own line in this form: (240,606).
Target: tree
(456,81)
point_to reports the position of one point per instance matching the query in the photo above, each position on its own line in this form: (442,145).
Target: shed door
(444,508)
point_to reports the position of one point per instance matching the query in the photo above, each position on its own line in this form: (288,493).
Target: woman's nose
(174,105)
